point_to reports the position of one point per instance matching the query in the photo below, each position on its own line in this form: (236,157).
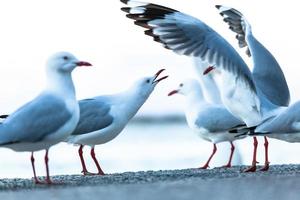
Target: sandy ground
(281,182)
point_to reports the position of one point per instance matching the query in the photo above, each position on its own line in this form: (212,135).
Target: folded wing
(35,120)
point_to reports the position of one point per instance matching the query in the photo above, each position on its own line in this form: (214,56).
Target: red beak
(173,92)
(83,64)
(209,69)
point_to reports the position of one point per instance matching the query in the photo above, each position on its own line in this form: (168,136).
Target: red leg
(84,170)
(266,167)
(100,172)
(36,180)
(231,155)
(211,156)
(253,167)
(48,180)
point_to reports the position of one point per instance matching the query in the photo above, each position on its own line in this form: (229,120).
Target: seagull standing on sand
(212,122)
(189,36)
(49,118)
(267,73)
(102,118)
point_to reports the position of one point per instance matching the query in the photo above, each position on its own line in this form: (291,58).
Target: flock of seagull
(227,103)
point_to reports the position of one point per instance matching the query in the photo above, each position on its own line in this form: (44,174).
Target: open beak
(83,64)
(173,92)
(155,80)
(209,69)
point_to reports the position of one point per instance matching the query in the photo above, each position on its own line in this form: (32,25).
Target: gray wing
(189,36)
(283,123)
(235,20)
(94,115)
(217,119)
(267,74)
(35,120)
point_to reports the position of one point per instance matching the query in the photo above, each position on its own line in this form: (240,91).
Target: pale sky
(98,32)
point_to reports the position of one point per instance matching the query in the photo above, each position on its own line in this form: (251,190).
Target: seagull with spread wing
(267,73)
(187,35)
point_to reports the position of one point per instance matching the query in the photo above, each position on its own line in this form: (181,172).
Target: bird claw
(251,169)
(204,167)
(38,182)
(226,166)
(265,168)
(46,182)
(86,173)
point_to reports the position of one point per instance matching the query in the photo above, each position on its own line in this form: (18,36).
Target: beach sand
(280,182)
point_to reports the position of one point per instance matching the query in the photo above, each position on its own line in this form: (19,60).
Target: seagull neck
(132,101)
(195,96)
(61,83)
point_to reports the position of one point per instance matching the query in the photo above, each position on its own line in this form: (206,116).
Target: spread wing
(189,36)
(267,73)
(237,24)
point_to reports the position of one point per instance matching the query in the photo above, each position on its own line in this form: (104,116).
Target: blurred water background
(145,144)
(98,32)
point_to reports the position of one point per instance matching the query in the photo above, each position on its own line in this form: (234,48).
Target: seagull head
(64,62)
(187,87)
(147,84)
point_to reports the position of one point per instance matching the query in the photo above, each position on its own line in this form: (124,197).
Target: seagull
(267,73)
(50,117)
(103,118)
(187,35)
(212,122)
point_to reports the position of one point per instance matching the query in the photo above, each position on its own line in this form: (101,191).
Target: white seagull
(102,118)
(190,36)
(50,117)
(212,122)
(267,74)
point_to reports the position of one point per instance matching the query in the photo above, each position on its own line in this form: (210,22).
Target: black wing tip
(142,24)
(149,33)
(248,52)
(125,9)
(124,1)
(3,116)
(218,6)
(253,133)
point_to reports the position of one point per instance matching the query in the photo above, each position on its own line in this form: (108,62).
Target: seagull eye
(65,57)
(180,85)
(148,81)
